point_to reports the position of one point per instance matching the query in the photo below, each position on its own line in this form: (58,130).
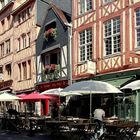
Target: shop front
(127,104)
(47,104)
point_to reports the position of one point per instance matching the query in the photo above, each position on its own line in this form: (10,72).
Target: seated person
(13,112)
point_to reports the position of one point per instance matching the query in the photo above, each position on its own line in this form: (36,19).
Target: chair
(131,134)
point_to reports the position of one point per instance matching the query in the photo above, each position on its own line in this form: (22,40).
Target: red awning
(34,96)
(21,95)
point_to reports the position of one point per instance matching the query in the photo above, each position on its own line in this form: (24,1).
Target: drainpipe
(69,52)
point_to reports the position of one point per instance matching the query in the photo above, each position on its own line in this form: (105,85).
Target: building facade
(106,45)
(20,22)
(53,50)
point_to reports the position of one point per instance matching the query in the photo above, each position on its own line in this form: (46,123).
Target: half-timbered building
(53,50)
(106,45)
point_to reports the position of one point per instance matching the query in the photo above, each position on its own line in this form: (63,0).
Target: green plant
(52,32)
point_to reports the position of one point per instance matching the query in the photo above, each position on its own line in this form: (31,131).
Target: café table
(120,129)
(56,125)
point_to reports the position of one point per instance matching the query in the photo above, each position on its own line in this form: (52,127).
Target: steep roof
(60,13)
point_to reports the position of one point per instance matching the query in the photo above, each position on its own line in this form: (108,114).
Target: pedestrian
(99,115)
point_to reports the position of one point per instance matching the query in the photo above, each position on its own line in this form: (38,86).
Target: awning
(118,82)
(135,85)
(51,48)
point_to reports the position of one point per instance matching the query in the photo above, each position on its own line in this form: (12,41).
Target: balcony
(50,68)
(51,72)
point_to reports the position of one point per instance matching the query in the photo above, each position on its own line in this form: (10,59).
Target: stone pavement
(8,135)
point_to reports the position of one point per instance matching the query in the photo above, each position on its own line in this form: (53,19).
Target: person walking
(99,115)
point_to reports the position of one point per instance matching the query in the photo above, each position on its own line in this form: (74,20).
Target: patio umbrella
(34,96)
(57,92)
(91,87)
(21,95)
(135,85)
(5,96)
(54,90)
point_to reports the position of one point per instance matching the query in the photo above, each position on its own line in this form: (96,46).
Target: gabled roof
(59,13)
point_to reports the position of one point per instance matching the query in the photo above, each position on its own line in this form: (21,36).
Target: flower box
(50,33)
(50,68)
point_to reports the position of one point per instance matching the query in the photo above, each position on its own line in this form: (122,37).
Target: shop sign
(6,84)
(51,85)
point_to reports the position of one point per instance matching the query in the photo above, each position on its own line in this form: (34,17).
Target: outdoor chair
(131,134)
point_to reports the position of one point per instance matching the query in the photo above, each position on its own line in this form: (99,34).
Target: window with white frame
(28,39)
(138,28)
(29,69)
(112,36)
(8,70)
(24,66)
(19,72)
(2,50)
(85,5)
(85,45)
(19,44)
(24,41)
(8,46)
(24,70)
(107,1)
(24,15)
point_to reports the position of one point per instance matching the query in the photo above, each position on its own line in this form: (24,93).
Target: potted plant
(50,33)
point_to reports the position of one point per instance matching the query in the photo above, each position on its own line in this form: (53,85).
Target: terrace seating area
(71,126)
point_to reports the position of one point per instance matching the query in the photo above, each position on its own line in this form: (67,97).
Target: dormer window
(50,31)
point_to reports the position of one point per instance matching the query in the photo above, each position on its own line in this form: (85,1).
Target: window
(29,68)
(107,1)
(19,19)
(28,39)
(8,22)
(1,73)
(2,50)
(24,41)
(2,24)
(138,28)
(85,46)
(1,69)
(28,11)
(19,67)
(8,69)
(112,36)
(19,44)
(24,15)
(7,46)
(85,5)
(24,70)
